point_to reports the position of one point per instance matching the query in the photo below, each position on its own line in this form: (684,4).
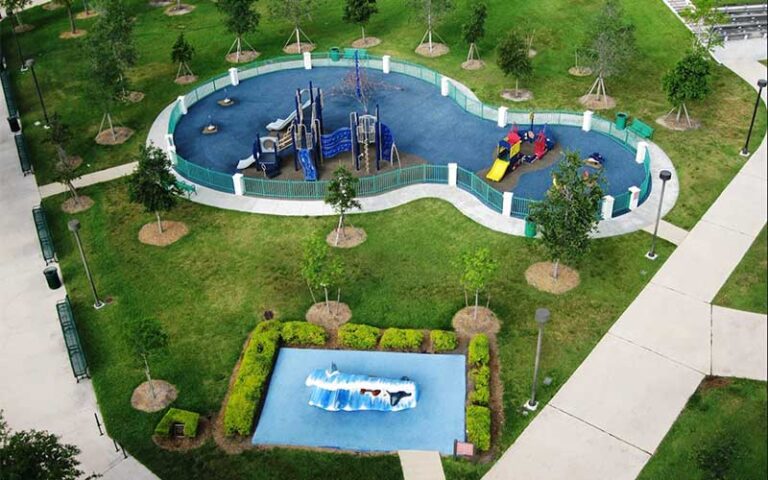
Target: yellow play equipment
(506,153)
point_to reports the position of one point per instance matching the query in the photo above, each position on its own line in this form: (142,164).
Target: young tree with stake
(706,15)
(474,29)
(477,270)
(431,11)
(320,270)
(148,338)
(240,19)
(65,171)
(512,58)
(360,12)
(152,184)
(182,53)
(341,193)
(68,5)
(688,81)
(296,11)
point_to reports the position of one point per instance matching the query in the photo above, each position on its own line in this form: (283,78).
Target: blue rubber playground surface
(423,122)
(437,420)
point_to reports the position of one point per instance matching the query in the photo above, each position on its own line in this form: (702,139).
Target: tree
(512,58)
(153,185)
(148,338)
(474,29)
(610,47)
(68,5)
(341,193)
(59,136)
(14,7)
(431,11)
(240,20)
(477,270)
(107,80)
(320,269)
(569,212)
(296,11)
(182,53)
(688,81)
(360,12)
(36,455)
(113,34)
(704,16)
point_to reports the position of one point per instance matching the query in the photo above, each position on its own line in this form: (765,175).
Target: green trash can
(335,54)
(621,120)
(530,228)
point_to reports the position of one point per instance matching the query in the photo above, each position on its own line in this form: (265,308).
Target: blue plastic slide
(305,158)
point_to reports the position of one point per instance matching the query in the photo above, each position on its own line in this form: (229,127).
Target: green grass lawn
(705,159)
(721,434)
(747,287)
(211,288)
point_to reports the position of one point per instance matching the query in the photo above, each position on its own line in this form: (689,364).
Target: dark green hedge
(176,415)
(358,337)
(443,341)
(479,350)
(402,339)
(303,333)
(479,426)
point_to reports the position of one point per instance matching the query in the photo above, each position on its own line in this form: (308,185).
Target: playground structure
(509,155)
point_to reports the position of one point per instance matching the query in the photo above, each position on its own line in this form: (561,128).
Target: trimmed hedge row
(303,333)
(402,339)
(481,377)
(478,413)
(479,350)
(443,340)
(358,337)
(176,415)
(479,426)
(248,387)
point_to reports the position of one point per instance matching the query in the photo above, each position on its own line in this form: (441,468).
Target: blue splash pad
(438,419)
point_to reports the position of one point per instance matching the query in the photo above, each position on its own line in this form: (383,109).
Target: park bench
(44,235)
(72,339)
(641,128)
(185,187)
(21,149)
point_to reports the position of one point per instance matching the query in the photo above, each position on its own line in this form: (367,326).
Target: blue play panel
(437,420)
(423,123)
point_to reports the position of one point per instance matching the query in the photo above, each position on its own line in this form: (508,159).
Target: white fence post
(634,199)
(502,119)
(453,174)
(385,61)
(307,61)
(607,211)
(506,206)
(237,182)
(444,86)
(642,147)
(234,76)
(182,104)
(586,122)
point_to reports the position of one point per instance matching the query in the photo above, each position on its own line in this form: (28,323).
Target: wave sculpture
(333,390)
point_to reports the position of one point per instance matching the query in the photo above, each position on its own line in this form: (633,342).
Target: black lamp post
(74,227)
(542,317)
(664,175)
(30,63)
(16,39)
(761,85)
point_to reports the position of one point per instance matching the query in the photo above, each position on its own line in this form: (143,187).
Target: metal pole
(542,317)
(664,175)
(39,94)
(74,226)
(745,151)
(98,424)
(18,45)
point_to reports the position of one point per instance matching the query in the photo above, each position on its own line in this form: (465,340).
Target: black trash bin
(13,122)
(52,277)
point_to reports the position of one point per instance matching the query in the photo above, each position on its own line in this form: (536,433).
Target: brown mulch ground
(521,95)
(292,49)
(245,56)
(473,65)
(319,314)
(75,161)
(85,16)
(539,276)
(142,398)
(348,238)
(70,206)
(710,382)
(24,27)
(466,325)
(511,179)
(182,444)
(172,231)
(50,6)
(160,3)
(122,134)
(69,35)
(580,71)
(593,103)
(186,79)
(182,9)
(134,97)
(438,50)
(367,43)
(671,123)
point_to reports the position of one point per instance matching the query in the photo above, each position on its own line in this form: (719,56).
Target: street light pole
(542,317)
(30,63)
(74,227)
(664,175)
(761,85)
(16,39)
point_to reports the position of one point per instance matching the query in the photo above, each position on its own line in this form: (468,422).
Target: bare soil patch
(331,317)
(438,50)
(134,96)
(245,56)
(366,42)
(539,276)
(142,398)
(682,125)
(87,15)
(349,237)
(520,95)
(24,27)
(70,206)
(69,35)
(74,161)
(175,11)
(466,325)
(293,49)
(714,382)
(186,79)
(580,71)
(172,231)
(593,102)
(473,65)
(183,444)
(121,135)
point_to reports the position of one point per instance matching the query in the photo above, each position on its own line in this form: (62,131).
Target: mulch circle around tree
(175,11)
(438,50)
(183,444)
(368,42)
(121,135)
(83,203)
(172,232)
(186,79)
(133,96)
(293,49)
(87,15)
(580,71)
(539,276)
(593,102)
(348,238)
(69,35)
(160,3)
(24,27)
(473,65)
(682,125)
(50,6)
(142,398)
(245,56)
(521,95)
(74,161)
(466,324)
(330,316)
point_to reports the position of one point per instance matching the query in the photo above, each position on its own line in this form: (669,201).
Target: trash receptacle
(621,120)
(335,54)
(530,228)
(52,277)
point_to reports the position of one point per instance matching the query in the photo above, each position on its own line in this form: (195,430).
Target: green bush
(481,378)
(175,415)
(443,340)
(479,427)
(303,333)
(358,337)
(479,350)
(251,377)
(402,339)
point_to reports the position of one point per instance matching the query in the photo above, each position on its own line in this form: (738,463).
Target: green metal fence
(475,185)
(202,176)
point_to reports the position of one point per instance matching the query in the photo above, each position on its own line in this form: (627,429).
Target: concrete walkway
(614,411)
(91,179)
(421,465)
